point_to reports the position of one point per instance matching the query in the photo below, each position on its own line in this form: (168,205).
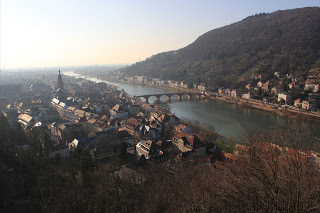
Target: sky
(45,33)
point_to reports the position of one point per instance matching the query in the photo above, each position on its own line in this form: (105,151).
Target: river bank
(270,108)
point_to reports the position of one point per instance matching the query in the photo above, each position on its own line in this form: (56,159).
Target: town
(106,121)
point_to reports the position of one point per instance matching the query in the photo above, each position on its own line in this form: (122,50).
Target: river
(229,120)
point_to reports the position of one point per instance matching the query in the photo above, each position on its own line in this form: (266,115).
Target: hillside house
(266,86)
(148,149)
(310,104)
(234,93)
(186,143)
(298,103)
(26,120)
(118,111)
(284,96)
(247,96)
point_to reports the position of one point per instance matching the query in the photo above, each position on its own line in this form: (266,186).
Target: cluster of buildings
(162,83)
(284,90)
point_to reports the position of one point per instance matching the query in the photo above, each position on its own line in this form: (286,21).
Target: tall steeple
(60,83)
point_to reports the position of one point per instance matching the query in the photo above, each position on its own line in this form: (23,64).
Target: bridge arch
(174,95)
(185,95)
(157,98)
(164,95)
(144,98)
(194,96)
(202,96)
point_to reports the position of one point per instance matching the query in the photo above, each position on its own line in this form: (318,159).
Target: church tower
(60,83)
(60,93)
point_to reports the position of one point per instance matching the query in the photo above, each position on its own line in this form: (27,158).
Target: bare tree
(274,173)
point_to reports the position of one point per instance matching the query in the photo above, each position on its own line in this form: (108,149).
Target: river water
(229,120)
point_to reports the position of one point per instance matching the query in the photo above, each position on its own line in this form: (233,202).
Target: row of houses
(165,83)
(69,112)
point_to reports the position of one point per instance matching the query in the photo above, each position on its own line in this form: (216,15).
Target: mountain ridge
(286,41)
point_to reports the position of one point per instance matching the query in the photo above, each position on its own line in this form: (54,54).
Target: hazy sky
(37,33)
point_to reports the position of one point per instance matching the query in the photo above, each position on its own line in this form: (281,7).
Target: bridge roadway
(170,95)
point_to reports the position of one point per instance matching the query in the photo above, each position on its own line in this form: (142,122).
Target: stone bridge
(169,96)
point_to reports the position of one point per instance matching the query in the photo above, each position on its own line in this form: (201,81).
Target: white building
(247,96)
(285,96)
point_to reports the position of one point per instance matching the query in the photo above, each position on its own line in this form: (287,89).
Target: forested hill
(287,41)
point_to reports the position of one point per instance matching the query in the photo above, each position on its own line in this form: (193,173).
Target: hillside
(284,41)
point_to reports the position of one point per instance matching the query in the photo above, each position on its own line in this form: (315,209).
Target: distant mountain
(285,41)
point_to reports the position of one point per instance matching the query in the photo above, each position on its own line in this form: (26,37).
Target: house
(298,103)
(259,84)
(155,124)
(69,113)
(3,114)
(60,149)
(146,107)
(234,93)
(266,86)
(131,124)
(201,87)
(148,149)
(60,129)
(186,143)
(79,113)
(310,104)
(61,108)
(134,109)
(118,111)
(221,91)
(247,96)
(169,119)
(227,92)
(124,136)
(79,142)
(54,102)
(284,96)
(292,84)
(275,90)
(248,86)
(277,74)
(146,132)
(310,85)
(183,85)
(183,128)
(290,76)
(26,120)
(130,149)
